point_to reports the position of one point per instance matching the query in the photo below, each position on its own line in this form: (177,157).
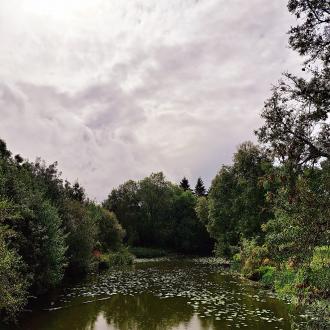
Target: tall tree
(184,184)
(237,201)
(311,36)
(200,188)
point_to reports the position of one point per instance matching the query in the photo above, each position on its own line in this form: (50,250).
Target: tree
(188,234)
(301,223)
(311,37)
(13,285)
(296,129)
(237,199)
(202,210)
(155,196)
(184,184)
(199,188)
(81,230)
(48,246)
(110,233)
(124,202)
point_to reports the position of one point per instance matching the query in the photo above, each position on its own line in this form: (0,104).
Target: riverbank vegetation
(268,212)
(48,230)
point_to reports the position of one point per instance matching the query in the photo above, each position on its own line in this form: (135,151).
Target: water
(177,294)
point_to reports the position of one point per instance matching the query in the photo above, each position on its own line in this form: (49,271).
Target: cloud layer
(118,89)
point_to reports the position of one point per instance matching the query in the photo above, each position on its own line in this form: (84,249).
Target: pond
(165,294)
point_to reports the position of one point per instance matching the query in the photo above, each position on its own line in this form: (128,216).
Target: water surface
(170,294)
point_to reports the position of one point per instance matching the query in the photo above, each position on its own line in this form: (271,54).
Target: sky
(117,89)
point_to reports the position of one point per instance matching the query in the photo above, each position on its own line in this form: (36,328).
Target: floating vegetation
(202,284)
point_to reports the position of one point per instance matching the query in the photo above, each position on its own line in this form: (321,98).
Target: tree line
(48,230)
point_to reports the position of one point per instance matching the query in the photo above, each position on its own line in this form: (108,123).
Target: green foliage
(301,222)
(110,233)
(156,213)
(310,36)
(284,283)
(202,210)
(252,258)
(49,247)
(81,232)
(46,228)
(320,268)
(121,258)
(268,275)
(200,188)
(184,184)
(13,286)
(237,201)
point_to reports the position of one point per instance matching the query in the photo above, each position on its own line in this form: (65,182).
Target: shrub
(143,252)
(13,287)
(284,283)
(252,257)
(121,258)
(267,274)
(320,268)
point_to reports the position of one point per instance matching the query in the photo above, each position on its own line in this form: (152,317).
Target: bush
(284,283)
(116,259)
(143,252)
(252,257)
(13,287)
(267,274)
(121,258)
(320,268)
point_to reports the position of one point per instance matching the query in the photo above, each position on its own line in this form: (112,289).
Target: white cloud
(114,90)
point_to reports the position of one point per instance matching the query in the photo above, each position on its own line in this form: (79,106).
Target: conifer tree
(184,184)
(200,188)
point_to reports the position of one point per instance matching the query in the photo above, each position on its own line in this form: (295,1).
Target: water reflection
(171,295)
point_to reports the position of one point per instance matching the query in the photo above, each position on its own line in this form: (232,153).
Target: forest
(267,213)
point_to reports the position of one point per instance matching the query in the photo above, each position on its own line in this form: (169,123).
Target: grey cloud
(116,90)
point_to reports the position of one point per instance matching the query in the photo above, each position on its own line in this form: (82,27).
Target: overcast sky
(116,89)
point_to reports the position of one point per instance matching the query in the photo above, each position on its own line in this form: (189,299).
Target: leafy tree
(110,232)
(311,37)
(184,184)
(301,223)
(199,188)
(13,285)
(237,200)
(189,235)
(155,195)
(48,246)
(202,210)
(296,130)
(81,231)
(125,203)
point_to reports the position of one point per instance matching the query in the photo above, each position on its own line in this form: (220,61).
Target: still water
(164,294)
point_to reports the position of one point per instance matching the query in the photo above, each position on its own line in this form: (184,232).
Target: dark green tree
(200,188)
(237,199)
(184,184)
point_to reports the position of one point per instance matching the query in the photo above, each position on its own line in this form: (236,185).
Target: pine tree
(184,184)
(200,188)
